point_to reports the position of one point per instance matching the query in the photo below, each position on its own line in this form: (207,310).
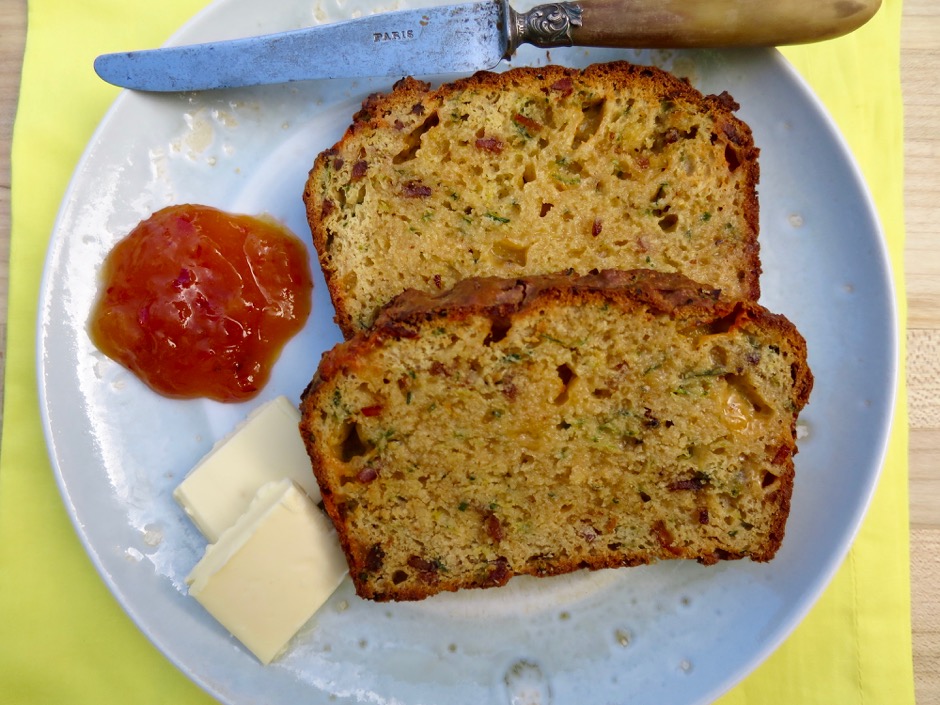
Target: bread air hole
(353,445)
(668,223)
(549,117)
(528,174)
(592,114)
(731,156)
(413,139)
(725,323)
(566,375)
(511,252)
(499,327)
(718,357)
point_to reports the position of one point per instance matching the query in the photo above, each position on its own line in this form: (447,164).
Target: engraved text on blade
(392,36)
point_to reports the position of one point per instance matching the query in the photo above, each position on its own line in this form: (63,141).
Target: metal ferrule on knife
(543,26)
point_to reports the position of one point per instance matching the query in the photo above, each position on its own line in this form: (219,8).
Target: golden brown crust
(641,298)
(367,161)
(662,291)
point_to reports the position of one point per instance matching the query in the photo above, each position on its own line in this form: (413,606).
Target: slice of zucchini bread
(535,171)
(546,424)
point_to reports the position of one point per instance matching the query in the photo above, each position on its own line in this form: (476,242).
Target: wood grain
(920,63)
(12,40)
(920,66)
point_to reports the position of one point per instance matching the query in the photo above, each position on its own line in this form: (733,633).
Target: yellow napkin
(63,637)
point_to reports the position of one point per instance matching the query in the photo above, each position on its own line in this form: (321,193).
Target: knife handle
(687,23)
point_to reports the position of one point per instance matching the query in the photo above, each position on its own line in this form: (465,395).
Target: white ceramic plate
(675,632)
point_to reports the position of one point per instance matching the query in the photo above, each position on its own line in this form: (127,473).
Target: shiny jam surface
(199,303)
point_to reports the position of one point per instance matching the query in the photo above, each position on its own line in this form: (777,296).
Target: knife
(475,36)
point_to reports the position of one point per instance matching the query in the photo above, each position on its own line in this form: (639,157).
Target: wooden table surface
(920,67)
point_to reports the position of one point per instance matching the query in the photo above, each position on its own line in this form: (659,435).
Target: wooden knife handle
(688,23)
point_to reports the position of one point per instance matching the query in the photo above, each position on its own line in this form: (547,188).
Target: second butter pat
(268,573)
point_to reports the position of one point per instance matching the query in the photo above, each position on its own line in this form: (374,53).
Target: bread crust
(643,294)
(386,117)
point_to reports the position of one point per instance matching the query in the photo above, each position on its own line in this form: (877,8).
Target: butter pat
(269,572)
(265,447)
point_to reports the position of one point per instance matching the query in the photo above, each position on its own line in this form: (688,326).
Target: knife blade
(476,36)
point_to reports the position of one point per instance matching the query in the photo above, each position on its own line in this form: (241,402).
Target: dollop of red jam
(198,302)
